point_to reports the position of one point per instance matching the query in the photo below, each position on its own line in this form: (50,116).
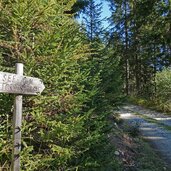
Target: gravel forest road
(154,126)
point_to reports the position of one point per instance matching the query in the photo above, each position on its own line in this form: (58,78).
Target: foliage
(92,20)
(132,128)
(163,89)
(161,101)
(140,30)
(64,128)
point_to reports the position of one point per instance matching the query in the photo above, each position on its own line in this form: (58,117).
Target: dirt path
(153,126)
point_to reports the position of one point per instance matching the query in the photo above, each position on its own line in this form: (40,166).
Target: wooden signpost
(18,84)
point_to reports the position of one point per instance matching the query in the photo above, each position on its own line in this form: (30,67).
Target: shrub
(163,88)
(63,129)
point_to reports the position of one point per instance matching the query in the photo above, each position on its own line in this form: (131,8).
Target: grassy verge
(134,153)
(147,158)
(152,104)
(151,120)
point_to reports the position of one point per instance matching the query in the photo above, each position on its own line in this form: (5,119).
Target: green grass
(144,156)
(151,104)
(147,158)
(151,120)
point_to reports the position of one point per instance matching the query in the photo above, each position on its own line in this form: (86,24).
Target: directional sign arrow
(18,84)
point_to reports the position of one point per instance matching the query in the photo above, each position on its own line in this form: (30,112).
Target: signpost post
(17,119)
(18,84)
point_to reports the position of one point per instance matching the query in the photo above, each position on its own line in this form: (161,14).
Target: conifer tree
(120,29)
(92,20)
(142,27)
(63,129)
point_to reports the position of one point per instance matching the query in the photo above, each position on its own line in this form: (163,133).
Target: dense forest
(88,71)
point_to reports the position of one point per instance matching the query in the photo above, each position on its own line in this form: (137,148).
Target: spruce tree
(120,31)
(141,27)
(63,129)
(92,20)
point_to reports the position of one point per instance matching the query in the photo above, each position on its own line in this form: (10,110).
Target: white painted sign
(18,84)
